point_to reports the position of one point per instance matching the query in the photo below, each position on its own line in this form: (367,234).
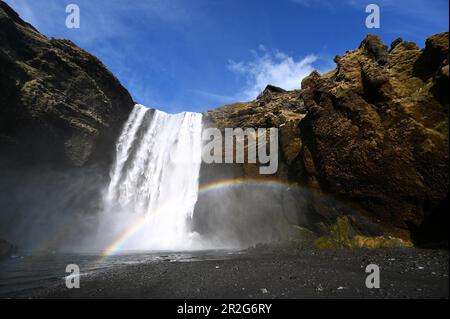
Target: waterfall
(154,181)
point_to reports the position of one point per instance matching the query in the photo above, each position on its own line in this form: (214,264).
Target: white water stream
(154,181)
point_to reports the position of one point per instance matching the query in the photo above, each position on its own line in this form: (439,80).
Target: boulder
(6,249)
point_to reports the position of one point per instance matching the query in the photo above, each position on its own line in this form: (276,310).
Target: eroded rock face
(239,214)
(61,112)
(372,134)
(58,102)
(378,135)
(273,108)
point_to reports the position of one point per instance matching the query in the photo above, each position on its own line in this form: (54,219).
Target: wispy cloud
(25,10)
(216,98)
(274,68)
(104,19)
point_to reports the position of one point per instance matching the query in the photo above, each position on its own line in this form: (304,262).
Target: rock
(373,47)
(312,80)
(409,46)
(6,249)
(444,71)
(337,58)
(434,56)
(395,43)
(304,235)
(273,89)
(264,291)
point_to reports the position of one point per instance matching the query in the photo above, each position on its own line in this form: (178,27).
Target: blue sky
(195,55)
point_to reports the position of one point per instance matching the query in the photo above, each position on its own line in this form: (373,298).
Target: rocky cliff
(371,134)
(61,111)
(58,102)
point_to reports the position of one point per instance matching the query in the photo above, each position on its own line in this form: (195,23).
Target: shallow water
(29,271)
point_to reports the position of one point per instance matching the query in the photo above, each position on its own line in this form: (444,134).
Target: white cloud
(277,68)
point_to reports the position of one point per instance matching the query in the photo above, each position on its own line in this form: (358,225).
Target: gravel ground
(272,273)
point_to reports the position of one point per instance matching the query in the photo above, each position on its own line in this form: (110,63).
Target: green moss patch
(339,238)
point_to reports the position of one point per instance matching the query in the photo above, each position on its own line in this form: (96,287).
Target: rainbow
(123,238)
(120,241)
(238,182)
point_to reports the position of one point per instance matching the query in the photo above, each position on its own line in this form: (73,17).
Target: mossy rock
(339,238)
(29,70)
(303,234)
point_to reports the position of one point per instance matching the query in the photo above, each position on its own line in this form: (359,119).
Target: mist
(48,209)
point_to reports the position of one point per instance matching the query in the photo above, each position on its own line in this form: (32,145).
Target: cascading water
(154,181)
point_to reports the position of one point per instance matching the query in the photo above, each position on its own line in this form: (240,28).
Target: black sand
(271,273)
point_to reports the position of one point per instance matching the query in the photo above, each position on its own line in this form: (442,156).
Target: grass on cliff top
(339,238)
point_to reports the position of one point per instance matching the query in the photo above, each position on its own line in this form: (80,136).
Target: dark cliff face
(59,104)
(373,134)
(61,112)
